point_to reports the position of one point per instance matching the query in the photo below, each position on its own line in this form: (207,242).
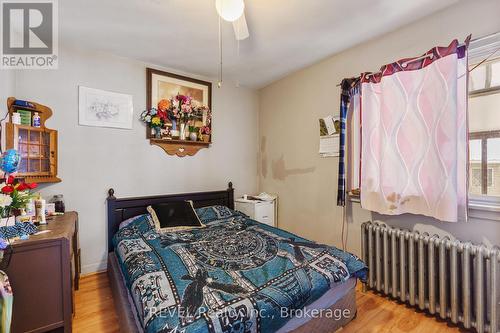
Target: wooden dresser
(44,272)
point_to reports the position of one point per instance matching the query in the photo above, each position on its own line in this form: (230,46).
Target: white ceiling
(285,35)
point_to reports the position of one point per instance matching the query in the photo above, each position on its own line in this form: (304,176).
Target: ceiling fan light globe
(230,10)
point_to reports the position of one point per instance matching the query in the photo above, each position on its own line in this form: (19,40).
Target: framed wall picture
(103,108)
(164,85)
(178,113)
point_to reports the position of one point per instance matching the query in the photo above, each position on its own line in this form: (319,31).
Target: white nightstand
(260,211)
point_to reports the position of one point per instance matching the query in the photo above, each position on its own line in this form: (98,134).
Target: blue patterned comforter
(234,275)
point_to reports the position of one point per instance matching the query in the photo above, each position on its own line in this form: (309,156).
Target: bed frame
(123,208)
(120,209)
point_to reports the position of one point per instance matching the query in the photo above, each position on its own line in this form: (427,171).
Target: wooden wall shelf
(180,148)
(36,145)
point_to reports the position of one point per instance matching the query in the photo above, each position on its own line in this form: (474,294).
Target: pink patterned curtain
(414,129)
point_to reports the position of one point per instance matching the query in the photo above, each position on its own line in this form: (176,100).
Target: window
(476,179)
(484,126)
(485,78)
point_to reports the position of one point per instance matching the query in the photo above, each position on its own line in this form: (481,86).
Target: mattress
(129,321)
(233,274)
(329,299)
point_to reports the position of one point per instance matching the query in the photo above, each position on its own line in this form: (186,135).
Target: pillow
(134,227)
(212,213)
(173,216)
(131,220)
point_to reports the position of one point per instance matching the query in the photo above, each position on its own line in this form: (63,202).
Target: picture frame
(175,138)
(102,108)
(164,85)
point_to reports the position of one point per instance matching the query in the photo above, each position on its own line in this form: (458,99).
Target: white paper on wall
(329,136)
(329,145)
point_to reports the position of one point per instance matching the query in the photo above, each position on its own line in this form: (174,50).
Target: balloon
(10,161)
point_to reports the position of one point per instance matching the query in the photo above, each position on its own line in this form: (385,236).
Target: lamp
(230,10)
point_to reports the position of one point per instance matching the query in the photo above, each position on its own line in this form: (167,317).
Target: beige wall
(94,159)
(289,112)
(7,87)
(7,82)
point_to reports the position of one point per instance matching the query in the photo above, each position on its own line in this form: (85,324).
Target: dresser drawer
(264,213)
(263,210)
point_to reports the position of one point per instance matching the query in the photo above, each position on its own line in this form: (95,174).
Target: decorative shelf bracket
(180,148)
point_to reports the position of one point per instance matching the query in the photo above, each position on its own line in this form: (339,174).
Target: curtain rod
(472,40)
(427,55)
(485,37)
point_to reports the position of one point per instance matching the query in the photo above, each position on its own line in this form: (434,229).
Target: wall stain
(280,172)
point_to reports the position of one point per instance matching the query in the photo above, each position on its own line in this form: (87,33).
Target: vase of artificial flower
(193,133)
(182,131)
(13,199)
(157,132)
(205,133)
(155,119)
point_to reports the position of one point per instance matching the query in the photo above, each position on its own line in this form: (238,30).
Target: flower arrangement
(205,132)
(154,117)
(180,110)
(13,200)
(14,197)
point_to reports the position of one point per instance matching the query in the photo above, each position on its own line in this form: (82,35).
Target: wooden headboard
(120,209)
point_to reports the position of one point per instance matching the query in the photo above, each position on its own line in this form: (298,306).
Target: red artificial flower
(162,115)
(182,98)
(26,186)
(10,180)
(7,189)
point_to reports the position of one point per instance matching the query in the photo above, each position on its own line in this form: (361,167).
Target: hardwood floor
(379,314)
(95,312)
(94,307)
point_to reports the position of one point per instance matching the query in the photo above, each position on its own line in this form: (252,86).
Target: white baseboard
(95,267)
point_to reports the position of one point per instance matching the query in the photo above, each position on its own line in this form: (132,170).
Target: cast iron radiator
(455,280)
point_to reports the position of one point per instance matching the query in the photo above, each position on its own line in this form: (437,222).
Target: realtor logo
(29,36)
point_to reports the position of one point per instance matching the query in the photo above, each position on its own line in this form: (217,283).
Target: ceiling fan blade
(241,28)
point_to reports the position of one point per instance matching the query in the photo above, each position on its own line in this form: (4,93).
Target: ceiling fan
(234,11)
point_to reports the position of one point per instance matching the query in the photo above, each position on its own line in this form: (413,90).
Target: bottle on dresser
(40,209)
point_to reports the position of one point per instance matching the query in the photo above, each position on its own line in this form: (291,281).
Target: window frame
(488,88)
(484,206)
(484,136)
(492,178)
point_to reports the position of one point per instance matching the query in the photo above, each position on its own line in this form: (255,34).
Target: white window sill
(354,198)
(484,208)
(479,207)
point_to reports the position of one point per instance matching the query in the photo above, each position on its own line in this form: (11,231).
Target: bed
(233,275)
